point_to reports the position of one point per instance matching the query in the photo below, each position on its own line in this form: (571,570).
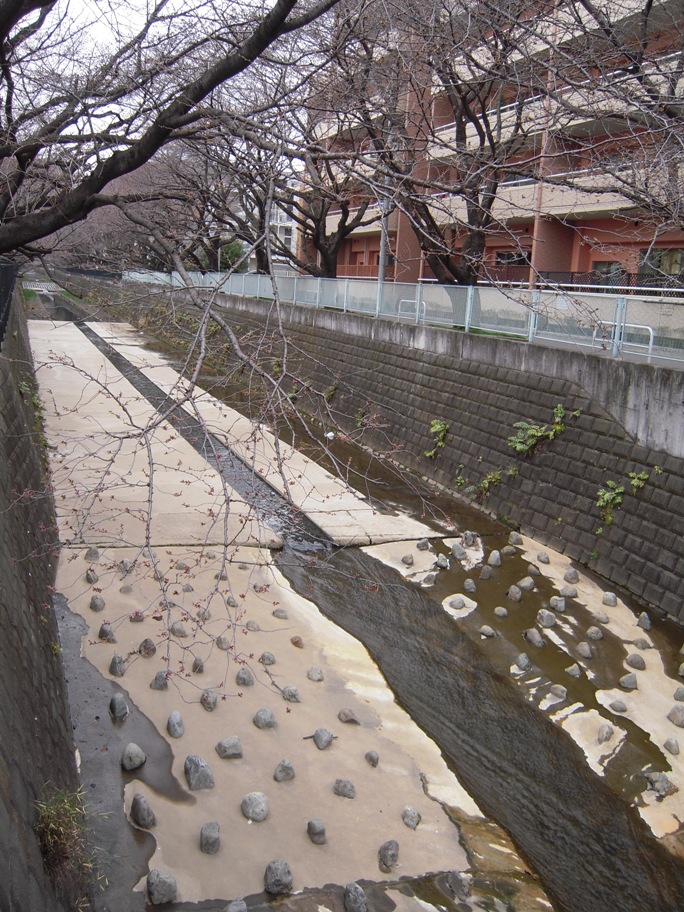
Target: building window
(665,261)
(512,257)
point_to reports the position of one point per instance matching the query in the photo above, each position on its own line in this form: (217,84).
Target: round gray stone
(91,577)
(291,694)
(372,758)
(106,633)
(609,599)
(543,558)
(210,837)
(178,629)
(644,621)
(407,560)
(487,632)
(469,585)
(546,618)
(411,817)
(574,671)
(230,748)
(160,681)
(161,887)
(584,650)
(523,662)
(515,538)
(174,725)
(457,603)
(595,633)
(237,905)
(209,699)
(254,806)
(635,661)
(117,666)
(533,570)
(600,617)
(486,572)
(605,732)
(501,612)
(198,773)
(223,642)
(388,856)
(316,832)
(197,665)
(526,584)
(680,670)
(355,898)
(423,545)
(284,771)
(147,648)
(442,562)
(618,706)
(629,681)
(118,707)
(676,715)
(267,658)
(557,603)
(458,551)
(344,788)
(569,592)
(141,813)
(533,637)
(571,575)
(514,594)
(559,691)
(642,644)
(679,694)
(494,559)
(278,877)
(97,603)
(252,626)
(281,614)
(133,757)
(264,718)
(187,587)
(672,746)
(315,673)
(348,716)
(323,738)
(244,678)
(92,554)
(204,614)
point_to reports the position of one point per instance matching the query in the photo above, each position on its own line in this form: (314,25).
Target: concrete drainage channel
(591,850)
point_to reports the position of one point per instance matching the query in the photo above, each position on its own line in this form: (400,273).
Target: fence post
(419,303)
(470,296)
(618,329)
(318,293)
(346,295)
(532,328)
(378,303)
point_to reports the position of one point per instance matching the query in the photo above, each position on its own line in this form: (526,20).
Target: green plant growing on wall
(637,480)
(608,499)
(484,487)
(529,436)
(329,394)
(439,428)
(63,839)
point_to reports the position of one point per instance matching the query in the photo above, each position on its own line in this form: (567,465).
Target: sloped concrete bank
(36,748)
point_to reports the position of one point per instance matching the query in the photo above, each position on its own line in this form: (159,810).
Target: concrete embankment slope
(392,380)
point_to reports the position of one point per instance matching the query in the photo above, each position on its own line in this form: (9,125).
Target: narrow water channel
(592,851)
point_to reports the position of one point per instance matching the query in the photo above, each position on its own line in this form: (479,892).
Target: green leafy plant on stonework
(529,436)
(63,840)
(608,499)
(329,394)
(637,480)
(484,487)
(439,428)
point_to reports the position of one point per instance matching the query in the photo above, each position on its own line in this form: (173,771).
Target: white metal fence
(645,324)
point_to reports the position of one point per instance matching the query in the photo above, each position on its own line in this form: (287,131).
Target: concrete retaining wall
(400,377)
(36,746)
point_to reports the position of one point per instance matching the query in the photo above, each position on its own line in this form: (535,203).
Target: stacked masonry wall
(36,745)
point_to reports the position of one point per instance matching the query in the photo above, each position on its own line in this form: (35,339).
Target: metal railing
(643,324)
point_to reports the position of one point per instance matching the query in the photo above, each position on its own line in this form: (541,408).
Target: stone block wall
(36,745)
(400,382)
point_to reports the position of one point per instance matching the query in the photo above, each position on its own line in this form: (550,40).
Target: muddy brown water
(592,851)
